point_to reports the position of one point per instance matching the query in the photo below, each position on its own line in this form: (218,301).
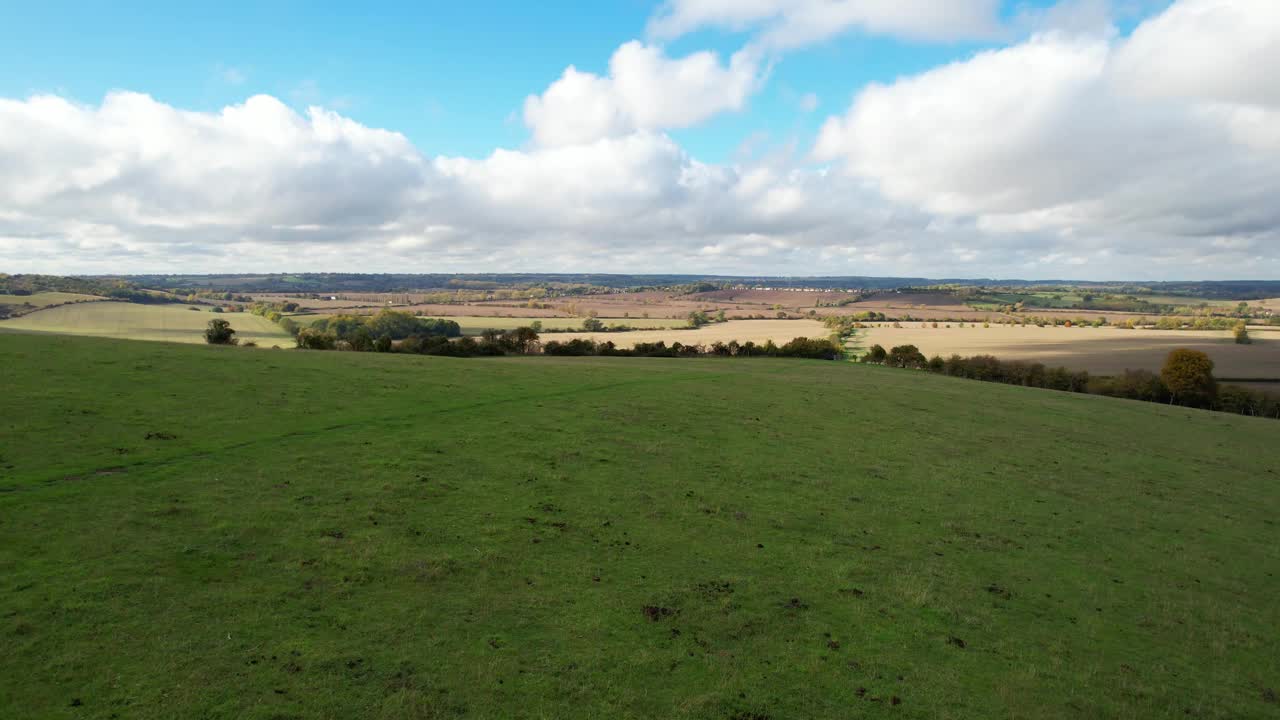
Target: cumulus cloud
(1093,138)
(644,90)
(1070,154)
(785,24)
(1221,50)
(135,184)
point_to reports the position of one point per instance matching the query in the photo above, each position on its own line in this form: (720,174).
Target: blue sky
(452,77)
(1093,139)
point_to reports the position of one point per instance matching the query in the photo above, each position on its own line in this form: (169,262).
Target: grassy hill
(173,323)
(44,299)
(231,533)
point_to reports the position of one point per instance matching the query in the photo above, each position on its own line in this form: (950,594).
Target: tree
(592,324)
(1188,374)
(521,339)
(313,339)
(906,356)
(219,332)
(876,355)
(1241,331)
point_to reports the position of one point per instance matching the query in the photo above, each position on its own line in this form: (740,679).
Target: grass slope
(227,533)
(42,299)
(173,323)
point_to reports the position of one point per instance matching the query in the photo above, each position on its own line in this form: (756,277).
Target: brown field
(655,304)
(757,331)
(1267,387)
(1103,351)
(476,309)
(785,298)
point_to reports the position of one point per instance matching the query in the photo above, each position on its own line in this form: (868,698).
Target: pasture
(757,331)
(340,535)
(45,299)
(1101,351)
(170,323)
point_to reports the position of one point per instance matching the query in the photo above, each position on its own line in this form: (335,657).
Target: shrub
(219,332)
(814,349)
(313,339)
(1133,384)
(1241,331)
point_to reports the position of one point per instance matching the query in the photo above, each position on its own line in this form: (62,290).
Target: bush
(875,355)
(313,339)
(1133,384)
(219,332)
(811,348)
(1241,332)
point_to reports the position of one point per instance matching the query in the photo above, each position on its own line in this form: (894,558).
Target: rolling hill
(170,322)
(190,531)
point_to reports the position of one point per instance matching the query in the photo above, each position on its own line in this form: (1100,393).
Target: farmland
(477,324)
(757,331)
(172,323)
(1103,351)
(363,535)
(44,299)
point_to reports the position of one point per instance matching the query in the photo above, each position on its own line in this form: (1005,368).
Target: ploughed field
(1102,351)
(219,532)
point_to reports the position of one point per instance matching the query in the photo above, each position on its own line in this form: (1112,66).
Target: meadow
(1101,351)
(221,532)
(44,299)
(172,323)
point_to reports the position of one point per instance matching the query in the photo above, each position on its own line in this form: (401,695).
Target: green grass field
(44,299)
(173,323)
(204,532)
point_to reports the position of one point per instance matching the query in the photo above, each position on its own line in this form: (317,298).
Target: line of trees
(1185,379)
(811,348)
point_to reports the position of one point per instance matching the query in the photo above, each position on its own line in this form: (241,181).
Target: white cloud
(1223,50)
(1091,136)
(137,160)
(1064,155)
(645,90)
(784,24)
